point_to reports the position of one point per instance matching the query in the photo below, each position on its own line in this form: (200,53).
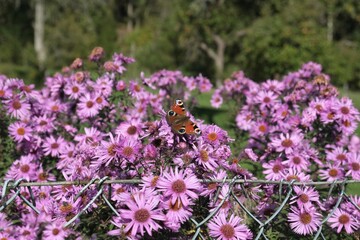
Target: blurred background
(264,38)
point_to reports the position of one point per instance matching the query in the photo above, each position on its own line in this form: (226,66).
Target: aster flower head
(25,167)
(205,156)
(297,161)
(216,99)
(74,89)
(87,106)
(214,135)
(143,214)
(305,197)
(287,142)
(17,108)
(331,172)
(273,169)
(304,221)
(20,131)
(353,166)
(179,185)
(343,220)
(345,110)
(231,229)
(55,231)
(128,149)
(53,146)
(132,128)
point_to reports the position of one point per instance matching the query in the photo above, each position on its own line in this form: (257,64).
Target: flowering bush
(83,125)
(298,129)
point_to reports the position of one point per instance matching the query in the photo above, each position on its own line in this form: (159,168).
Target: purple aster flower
(273,85)
(297,161)
(216,99)
(44,123)
(92,137)
(20,131)
(53,146)
(128,149)
(55,231)
(176,212)
(232,229)
(104,85)
(205,156)
(305,196)
(23,168)
(304,221)
(292,174)
(74,89)
(132,128)
(331,172)
(266,98)
(179,185)
(273,170)
(87,106)
(214,135)
(106,151)
(143,214)
(336,154)
(17,108)
(341,219)
(353,166)
(260,128)
(227,204)
(345,110)
(26,232)
(287,142)
(245,120)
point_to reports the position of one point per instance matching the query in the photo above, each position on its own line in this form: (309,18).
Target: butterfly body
(179,121)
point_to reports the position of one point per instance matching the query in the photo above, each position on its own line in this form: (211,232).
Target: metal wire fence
(11,190)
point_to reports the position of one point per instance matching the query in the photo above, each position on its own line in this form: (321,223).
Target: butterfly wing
(179,122)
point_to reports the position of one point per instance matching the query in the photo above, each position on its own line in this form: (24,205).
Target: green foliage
(263,38)
(7,146)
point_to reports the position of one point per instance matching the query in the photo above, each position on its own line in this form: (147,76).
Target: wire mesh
(11,190)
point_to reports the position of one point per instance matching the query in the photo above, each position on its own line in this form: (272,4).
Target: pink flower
(17,108)
(55,231)
(337,154)
(304,221)
(266,98)
(331,172)
(297,161)
(142,214)
(20,131)
(273,170)
(305,196)
(287,142)
(345,110)
(87,106)
(53,146)
(23,168)
(353,166)
(74,89)
(341,219)
(179,185)
(232,229)
(216,99)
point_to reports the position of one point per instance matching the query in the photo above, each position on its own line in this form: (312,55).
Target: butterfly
(179,121)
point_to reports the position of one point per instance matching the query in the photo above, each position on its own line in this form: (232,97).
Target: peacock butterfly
(178,120)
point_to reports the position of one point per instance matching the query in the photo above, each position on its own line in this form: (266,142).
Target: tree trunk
(130,14)
(217,56)
(39,33)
